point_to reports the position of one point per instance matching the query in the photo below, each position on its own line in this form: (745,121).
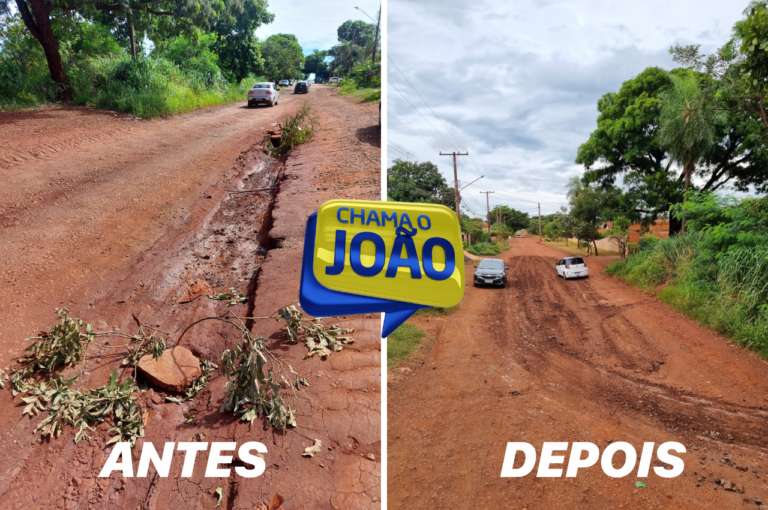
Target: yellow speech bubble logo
(390,250)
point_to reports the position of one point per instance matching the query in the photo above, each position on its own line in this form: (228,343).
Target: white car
(572,267)
(264,92)
(334,80)
(285,83)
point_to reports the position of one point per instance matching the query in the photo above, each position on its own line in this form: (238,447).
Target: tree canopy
(514,220)
(418,182)
(283,57)
(357,32)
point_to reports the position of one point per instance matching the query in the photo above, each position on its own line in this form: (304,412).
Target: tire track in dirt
(254,241)
(585,360)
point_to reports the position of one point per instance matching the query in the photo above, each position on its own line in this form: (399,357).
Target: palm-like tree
(687,125)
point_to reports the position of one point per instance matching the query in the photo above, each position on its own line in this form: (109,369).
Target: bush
(487,248)
(178,77)
(717,275)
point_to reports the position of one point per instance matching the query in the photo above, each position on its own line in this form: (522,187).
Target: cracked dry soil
(112,216)
(584,360)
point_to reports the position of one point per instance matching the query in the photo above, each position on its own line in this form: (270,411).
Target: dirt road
(589,360)
(112,216)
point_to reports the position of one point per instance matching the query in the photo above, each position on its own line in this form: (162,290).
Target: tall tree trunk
(132,33)
(38,22)
(688,170)
(594,243)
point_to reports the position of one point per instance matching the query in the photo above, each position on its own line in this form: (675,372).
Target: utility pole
(539,221)
(376,37)
(488,208)
(457,197)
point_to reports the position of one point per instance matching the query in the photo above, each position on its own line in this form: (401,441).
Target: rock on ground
(173,371)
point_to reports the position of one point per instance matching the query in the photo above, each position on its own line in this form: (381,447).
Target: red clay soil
(112,216)
(583,360)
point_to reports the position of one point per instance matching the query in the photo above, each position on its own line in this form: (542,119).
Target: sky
(516,83)
(314,22)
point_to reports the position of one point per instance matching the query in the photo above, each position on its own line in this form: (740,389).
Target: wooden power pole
(540,221)
(454,155)
(488,209)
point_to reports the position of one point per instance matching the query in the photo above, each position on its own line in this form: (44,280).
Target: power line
(397,150)
(390,142)
(425,102)
(431,110)
(450,144)
(411,130)
(536,199)
(510,197)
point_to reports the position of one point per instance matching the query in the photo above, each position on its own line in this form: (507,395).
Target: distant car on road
(264,92)
(285,83)
(572,267)
(334,79)
(301,87)
(491,272)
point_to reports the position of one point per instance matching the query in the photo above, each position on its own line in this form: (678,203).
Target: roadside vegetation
(436,311)
(298,129)
(160,59)
(363,83)
(403,342)
(259,382)
(716,272)
(574,249)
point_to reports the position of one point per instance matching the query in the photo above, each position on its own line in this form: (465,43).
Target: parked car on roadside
(284,83)
(334,79)
(491,272)
(301,87)
(572,267)
(264,92)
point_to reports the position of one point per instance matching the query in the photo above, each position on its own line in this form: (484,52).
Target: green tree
(619,233)
(739,67)
(418,182)
(356,32)
(553,230)
(41,18)
(283,57)
(345,56)
(515,220)
(590,205)
(236,44)
(687,128)
(315,63)
(626,144)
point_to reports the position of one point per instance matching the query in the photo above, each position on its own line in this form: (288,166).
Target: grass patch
(488,249)
(402,342)
(575,250)
(436,311)
(365,95)
(298,129)
(727,292)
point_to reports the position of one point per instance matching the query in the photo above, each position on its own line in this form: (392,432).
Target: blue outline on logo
(321,301)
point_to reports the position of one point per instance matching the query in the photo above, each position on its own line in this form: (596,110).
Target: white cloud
(518,82)
(314,22)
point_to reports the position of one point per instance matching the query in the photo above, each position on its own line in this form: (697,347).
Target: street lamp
(375,37)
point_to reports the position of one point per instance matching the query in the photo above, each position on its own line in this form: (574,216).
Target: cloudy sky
(517,82)
(314,22)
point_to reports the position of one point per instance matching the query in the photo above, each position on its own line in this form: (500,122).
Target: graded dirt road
(590,360)
(113,217)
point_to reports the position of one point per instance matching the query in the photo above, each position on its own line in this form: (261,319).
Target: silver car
(572,267)
(265,93)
